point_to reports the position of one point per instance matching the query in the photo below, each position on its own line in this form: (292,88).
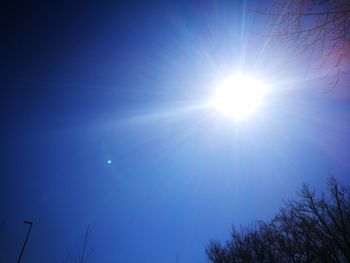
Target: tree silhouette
(311,229)
(319,27)
(2,223)
(85,250)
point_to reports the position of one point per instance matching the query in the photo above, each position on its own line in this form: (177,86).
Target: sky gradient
(104,123)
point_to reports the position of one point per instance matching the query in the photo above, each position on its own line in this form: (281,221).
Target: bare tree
(320,28)
(311,229)
(2,224)
(85,250)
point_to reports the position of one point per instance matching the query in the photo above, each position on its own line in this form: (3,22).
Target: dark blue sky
(84,83)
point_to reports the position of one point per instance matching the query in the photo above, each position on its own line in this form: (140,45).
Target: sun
(239,96)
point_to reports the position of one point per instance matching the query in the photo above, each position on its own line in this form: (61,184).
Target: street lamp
(25,241)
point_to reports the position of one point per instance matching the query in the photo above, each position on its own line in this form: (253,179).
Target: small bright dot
(239,96)
(109,161)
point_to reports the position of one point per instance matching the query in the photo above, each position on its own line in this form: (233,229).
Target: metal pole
(25,241)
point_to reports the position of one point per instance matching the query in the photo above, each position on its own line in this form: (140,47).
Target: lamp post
(25,241)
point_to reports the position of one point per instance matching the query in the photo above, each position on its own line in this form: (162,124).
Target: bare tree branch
(320,29)
(311,229)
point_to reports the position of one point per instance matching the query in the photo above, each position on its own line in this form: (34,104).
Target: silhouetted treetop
(314,228)
(320,28)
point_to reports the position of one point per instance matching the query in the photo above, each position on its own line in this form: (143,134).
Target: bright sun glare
(239,96)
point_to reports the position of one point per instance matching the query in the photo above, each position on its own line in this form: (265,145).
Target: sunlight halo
(239,96)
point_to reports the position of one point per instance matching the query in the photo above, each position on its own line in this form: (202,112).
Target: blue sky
(82,84)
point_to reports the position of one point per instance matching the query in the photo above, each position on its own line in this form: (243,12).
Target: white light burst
(239,96)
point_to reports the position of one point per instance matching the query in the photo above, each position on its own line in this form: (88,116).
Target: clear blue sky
(84,83)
